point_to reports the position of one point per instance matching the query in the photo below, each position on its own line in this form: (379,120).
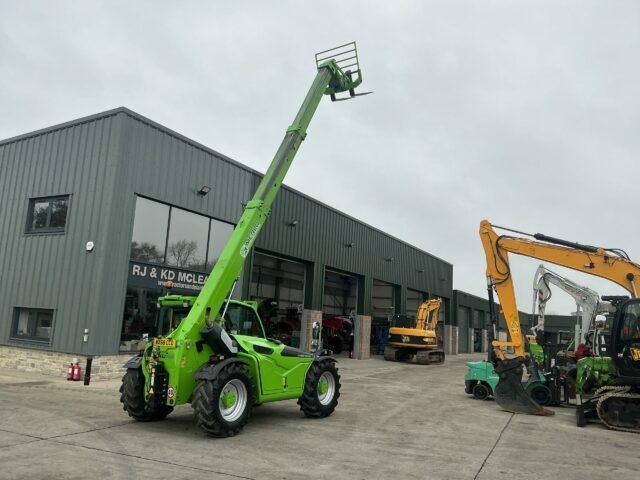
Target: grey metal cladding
(103,161)
(53,270)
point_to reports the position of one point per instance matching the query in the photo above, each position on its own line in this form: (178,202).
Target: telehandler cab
(217,356)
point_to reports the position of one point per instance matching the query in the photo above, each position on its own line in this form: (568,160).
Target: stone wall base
(104,367)
(450,340)
(306,325)
(362,337)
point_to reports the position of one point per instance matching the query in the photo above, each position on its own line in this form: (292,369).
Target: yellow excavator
(415,340)
(617,403)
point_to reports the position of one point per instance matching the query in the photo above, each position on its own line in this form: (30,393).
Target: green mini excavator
(217,356)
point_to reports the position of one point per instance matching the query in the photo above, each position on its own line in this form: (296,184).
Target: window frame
(32,339)
(29,230)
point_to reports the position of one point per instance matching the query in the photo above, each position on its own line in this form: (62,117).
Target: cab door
(625,341)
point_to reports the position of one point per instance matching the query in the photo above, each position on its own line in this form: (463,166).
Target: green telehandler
(217,357)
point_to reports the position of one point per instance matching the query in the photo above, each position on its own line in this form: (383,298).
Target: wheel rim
(233,400)
(326,388)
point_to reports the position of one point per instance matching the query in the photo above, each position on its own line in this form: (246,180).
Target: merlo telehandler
(218,357)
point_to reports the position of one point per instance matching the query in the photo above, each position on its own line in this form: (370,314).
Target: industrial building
(100,213)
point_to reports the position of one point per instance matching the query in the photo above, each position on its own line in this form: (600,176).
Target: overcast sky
(525,113)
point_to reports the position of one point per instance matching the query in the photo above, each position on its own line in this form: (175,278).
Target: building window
(168,235)
(179,246)
(32,324)
(48,214)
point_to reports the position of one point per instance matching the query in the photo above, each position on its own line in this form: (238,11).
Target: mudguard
(325,357)
(209,371)
(134,362)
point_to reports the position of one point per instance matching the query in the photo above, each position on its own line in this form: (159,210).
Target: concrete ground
(393,421)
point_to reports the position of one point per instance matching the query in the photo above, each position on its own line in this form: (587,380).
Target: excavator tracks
(619,408)
(421,357)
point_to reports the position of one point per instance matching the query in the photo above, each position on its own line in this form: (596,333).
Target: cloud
(525,113)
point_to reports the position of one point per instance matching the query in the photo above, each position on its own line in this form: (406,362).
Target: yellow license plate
(164,342)
(635,354)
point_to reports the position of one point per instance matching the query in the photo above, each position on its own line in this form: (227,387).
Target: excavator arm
(588,302)
(612,264)
(427,318)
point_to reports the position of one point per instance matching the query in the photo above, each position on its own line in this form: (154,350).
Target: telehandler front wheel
(321,390)
(222,405)
(132,398)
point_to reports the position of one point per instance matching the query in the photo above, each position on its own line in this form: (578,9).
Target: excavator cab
(625,341)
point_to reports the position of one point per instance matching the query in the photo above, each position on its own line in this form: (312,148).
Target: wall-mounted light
(420,270)
(389,259)
(350,245)
(204,190)
(292,223)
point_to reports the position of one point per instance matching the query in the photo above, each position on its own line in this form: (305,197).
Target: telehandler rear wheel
(321,390)
(132,398)
(223,405)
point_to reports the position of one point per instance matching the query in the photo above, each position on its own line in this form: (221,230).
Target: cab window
(631,323)
(242,320)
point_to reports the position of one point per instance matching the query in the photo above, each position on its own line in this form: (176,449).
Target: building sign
(147,275)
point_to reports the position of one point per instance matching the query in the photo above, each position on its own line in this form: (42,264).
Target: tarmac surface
(393,421)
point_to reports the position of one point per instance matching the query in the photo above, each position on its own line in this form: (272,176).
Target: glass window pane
(187,245)
(140,317)
(149,231)
(59,213)
(40,212)
(218,238)
(240,320)
(22,328)
(43,325)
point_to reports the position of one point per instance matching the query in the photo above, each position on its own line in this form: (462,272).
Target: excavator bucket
(510,393)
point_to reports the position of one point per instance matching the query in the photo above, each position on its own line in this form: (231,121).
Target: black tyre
(468,386)
(321,390)
(223,405)
(541,395)
(481,391)
(132,398)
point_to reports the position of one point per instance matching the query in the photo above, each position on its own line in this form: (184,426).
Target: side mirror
(315,336)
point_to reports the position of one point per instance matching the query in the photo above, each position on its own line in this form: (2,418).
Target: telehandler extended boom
(218,358)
